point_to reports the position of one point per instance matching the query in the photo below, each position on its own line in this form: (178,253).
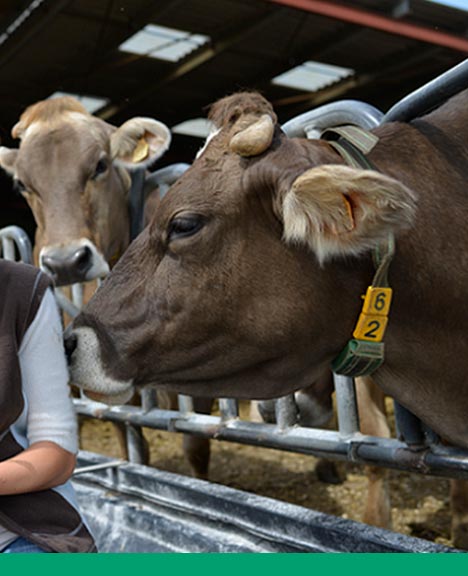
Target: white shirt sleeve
(44,370)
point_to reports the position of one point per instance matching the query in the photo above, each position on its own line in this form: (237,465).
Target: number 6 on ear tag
(373,319)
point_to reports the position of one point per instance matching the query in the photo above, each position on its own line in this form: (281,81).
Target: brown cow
(73,170)
(248,281)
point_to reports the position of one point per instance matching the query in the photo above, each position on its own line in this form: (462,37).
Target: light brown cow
(72,168)
(248,281)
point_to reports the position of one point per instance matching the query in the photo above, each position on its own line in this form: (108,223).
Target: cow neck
(365,351)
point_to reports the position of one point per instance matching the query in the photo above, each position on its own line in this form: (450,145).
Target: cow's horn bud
(254,139)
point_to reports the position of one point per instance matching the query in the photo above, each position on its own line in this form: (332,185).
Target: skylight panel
(198,127)
(312,76)
(460,4)
(163,43)
(91,103)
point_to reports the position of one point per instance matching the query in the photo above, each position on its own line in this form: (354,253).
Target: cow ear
(139,142)
(337,210)
(8,159)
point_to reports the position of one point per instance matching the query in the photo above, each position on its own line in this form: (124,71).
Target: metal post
(229,409)
(185,403)
(408,426)
(77,295)
(135,444)
(286,412)
(148,399)
(346,404)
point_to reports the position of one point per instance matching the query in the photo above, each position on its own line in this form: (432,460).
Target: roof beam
(377,22)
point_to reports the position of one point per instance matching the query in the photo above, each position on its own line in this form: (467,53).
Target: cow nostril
(82,259)
(48,265)
(70,342)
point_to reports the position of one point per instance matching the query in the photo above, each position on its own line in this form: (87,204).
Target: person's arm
(51,423)
(42,465)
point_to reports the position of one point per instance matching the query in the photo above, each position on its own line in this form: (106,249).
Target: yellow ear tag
(374,315)
(141,151)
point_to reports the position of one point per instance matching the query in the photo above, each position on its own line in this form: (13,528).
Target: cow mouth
(111,399)
(87,371)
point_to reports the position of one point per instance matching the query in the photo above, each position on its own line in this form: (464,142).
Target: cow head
(72,168)
(247,282)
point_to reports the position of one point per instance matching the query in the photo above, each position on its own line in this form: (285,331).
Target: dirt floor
(420,505)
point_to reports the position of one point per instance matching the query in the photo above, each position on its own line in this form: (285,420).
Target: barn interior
(170,59)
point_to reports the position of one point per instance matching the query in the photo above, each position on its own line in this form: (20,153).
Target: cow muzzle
(87,371)
(73,263)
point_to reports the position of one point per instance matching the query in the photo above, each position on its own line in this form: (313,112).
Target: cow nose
(68,269)
(70,342)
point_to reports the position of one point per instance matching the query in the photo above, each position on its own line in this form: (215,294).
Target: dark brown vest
(43,517)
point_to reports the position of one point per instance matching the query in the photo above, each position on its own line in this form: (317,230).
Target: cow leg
(197,449)
(373,422)
(459,505)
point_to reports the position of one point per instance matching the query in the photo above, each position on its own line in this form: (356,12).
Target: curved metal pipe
(14,235)
(429,96)
(311,124)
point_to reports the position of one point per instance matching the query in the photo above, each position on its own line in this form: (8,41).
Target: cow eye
(101,167)
(184,226)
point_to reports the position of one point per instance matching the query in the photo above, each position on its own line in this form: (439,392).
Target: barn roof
(386,48)
(390,46)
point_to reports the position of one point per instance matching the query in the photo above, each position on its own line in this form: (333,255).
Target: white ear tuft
(337,210)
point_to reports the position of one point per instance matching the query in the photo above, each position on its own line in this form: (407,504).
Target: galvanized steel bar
(386,452)
(19,238)
(286,412)
(185,403)
(229,409)
(77,295)
(148,399)
(8,248)
(346,404)
(431,95)
(408,426)
(134,440)
(65,304)
(311,124)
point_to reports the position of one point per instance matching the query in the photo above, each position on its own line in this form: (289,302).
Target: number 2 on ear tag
(370,327)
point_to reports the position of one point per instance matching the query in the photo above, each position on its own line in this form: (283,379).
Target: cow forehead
(70,126)
(208,187)
(73,141)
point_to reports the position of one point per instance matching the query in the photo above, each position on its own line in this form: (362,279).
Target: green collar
(365,352)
